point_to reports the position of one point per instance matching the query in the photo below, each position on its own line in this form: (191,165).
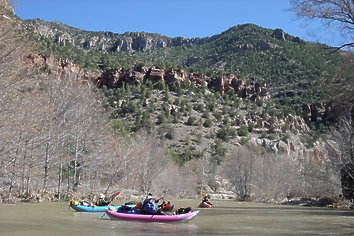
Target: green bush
(208,123)
(244,141)
(199,107)
(218,116)
(161,118)
(191,121)
(219,151)
(160,85)
(206,115)
(170,132)
(243,130)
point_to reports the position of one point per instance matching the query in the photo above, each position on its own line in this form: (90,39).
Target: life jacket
(74,202)
(150,207)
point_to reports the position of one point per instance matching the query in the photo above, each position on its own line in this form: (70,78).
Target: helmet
(101,195)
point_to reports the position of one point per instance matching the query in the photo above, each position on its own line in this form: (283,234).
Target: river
(227,218)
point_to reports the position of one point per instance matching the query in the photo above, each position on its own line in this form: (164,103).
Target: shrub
(177,102)
(161,118)
(191,120)
(206,115)
(199,107)
(160,85)
(217,115)
(243,130)
(219,151)
(225,133)
(244,141)
(226,120)
(208,123)
(170,132)
(250,127)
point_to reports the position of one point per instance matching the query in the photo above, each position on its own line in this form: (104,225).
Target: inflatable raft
(114,215)
(205,205)
(92,208)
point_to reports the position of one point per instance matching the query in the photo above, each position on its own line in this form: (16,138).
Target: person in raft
(206,200)
(150,207)
(101,200)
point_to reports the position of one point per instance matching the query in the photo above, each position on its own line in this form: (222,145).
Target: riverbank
(39,197)
(319,202)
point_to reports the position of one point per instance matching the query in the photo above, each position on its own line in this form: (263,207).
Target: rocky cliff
(6,7)
(106,41)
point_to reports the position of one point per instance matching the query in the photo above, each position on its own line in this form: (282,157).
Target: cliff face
(6,7)
(106,41)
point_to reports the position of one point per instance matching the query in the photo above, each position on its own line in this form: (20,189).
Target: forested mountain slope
(228,114)
(294,70)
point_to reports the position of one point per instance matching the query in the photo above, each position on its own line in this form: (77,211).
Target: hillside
(294,70)
(227,114)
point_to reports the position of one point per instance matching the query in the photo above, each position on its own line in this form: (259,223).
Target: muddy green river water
(227,218)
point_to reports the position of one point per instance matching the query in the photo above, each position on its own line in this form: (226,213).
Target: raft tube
(151,218)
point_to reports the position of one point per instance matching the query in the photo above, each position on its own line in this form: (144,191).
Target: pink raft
(151,218)
(205,205)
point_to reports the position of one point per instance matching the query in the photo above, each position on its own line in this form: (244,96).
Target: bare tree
(118,163)
(150,161)
(237,168)
(176,180)
(343,134)
(339,12)
(270,177)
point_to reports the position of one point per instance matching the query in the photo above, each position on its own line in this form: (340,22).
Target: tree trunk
(60,176)
(46,168)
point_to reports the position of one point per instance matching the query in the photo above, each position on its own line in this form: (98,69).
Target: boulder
(295,124)
(283,147)
(35,60)
(198,79)
(224,82)
(279,34)
(111,78)
(155,74)
(132,77)
(174,76)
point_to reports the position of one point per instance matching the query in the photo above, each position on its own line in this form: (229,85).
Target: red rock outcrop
(133,77)
(114,78)
(110,78)
(62,68)
(199,79)
(155,74)
(174,76)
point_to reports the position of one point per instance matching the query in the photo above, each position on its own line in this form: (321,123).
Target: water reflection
(153,228)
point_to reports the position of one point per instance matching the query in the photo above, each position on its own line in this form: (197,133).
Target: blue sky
(186,18)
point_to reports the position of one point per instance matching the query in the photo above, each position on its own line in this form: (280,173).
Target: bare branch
(330,11)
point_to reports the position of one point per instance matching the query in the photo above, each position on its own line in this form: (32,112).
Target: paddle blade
(115,195)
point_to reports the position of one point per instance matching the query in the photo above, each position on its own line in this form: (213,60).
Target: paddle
(158,211)
(114,196)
